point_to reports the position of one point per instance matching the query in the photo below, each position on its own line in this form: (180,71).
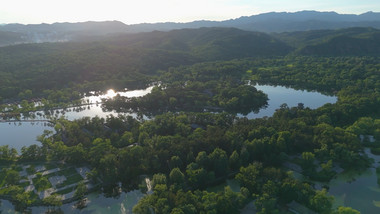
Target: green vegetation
(93,66)
(22,199)
(41,182)
(31,170)
(53,200)
(80,190)
(184,149)
(193,96)
(205,148)
(67,171)
(7,154)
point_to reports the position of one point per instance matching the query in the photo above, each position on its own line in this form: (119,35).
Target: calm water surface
(279,94)
(19,134)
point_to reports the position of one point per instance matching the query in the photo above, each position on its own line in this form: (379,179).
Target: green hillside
(207,43)
(343,42)
(123,60)
(361,45)
(9,38)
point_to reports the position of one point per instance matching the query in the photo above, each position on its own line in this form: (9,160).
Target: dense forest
(185,149)
(134,60)
(123,61)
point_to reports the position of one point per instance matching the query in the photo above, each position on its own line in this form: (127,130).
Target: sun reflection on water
(110,94)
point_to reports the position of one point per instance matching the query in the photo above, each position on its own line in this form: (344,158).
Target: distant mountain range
(269,22)
(277,22)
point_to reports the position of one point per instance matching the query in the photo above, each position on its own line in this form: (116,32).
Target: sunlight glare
(110,93)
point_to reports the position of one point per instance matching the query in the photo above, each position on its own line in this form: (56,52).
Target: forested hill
(132,59)
(10,38)
(208,43)
(125,59)
(343,42)
(346,46)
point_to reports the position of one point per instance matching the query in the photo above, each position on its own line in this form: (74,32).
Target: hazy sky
(139,11)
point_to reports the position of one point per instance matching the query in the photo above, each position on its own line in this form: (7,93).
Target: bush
(31,170)
(375,151)
(41,183)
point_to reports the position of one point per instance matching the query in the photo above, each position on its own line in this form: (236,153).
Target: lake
(24,134)
(19,134)
(278,95)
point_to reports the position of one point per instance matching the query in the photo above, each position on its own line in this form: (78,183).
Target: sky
(153,11)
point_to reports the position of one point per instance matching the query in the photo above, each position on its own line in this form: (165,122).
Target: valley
(166,120)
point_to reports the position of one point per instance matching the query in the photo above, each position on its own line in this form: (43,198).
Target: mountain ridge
(260,22)
(272,22)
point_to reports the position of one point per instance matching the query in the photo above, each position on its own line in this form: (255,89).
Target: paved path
(54,180)
(44,173)
(83,171)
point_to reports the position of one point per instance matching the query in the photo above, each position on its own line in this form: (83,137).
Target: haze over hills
(267,22)
(59,32)
(277,22)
